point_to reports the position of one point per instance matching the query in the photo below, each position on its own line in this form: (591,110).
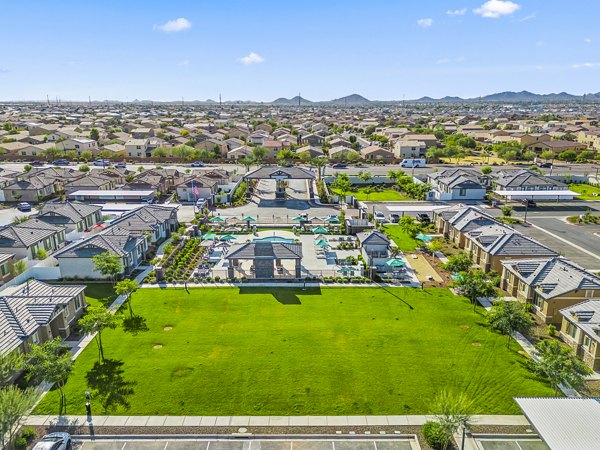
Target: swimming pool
(274,239)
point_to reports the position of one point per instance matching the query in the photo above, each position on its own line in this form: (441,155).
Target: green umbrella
(320,230)
(210,236)
(299,219)
(216,219)
(424,237)
(322,243)
(332,219)
(395,262)
(248,219)
(228,237)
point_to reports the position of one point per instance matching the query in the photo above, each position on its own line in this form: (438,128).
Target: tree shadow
(135,324)
(285,296)
(108,385)
(393,294)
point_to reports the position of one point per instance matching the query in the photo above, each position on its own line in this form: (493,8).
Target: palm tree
(319,163)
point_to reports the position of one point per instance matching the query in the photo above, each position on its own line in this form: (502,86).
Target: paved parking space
(511,444)
(252,444)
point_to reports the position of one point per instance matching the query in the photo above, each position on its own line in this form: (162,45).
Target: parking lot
(511,444)
(408,443)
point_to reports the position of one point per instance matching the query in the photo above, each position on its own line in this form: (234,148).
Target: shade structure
(332,219)
(320,230)
(395,262)
(322,243)
(248,219)
(423,237)
(216,219)
(299,219)
(209,236)
(228,237)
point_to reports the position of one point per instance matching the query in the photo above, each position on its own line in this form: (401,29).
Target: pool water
(274,239)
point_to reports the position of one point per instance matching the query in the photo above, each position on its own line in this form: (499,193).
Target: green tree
(459,262)
(10,363)
(475,284)
(568,155)
(19,267)
(14,403)
(182,151)
(342,184)
(27,167)
(507,211)
(108,264)
(183,133)
(84,168)
(320,164)
(285,156)
(95,134)
(410,225)
(508,318)
(529,155)
(352,157)
(365,176)
(95,321)
(86,155)
(53,152)
(509,155)
(159,152)
(259,154)
(435,246)
(486,170)
(126,288)
(558,364)
(548,155)
(452,412)
(247,162)
(50,361)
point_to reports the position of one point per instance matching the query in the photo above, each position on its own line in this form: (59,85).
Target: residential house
(341,153)
(314,140)
(406,148)
(24,240)
(549,285)
(428,139)
(156,221)
(79,145)
(75,261)
(7,262)
(454,222)
(90,181)
(137,148)
(457,184)
(142,133)
(376,153)
(527,184)
(75,217)
(580,330)
(35,312)
(197,187)
(375,248)
(557,146)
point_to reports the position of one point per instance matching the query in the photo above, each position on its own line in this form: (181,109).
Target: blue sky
(263,49)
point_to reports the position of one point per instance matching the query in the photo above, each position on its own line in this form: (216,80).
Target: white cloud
(425,23)
(3,70)
(184,63)
(586,65)
(457,12)
(251,58)
(174,26)
(494,9)
(587,40)
(527,18)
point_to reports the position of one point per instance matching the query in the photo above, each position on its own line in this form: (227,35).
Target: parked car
(528,202)
(24,207)
(544,165)
(36,163)
(424,218)
(121,165)
(60,162)
(197,164)
(339,166)
(394,218)
(102,162)
(379,217)
(55,441)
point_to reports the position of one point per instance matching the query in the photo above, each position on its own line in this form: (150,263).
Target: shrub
(28,433)
(21,443)
(551,330)
(435,435)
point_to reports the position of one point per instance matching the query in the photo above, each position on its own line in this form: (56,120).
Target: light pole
(526,209)
(462,443)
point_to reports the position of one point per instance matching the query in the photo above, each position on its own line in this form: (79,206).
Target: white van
(416,162)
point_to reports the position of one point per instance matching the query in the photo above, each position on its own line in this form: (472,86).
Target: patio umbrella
(210,236)
(395,262)
(248,219)
(332,219)
(216,219)
(423,237)
(320,230)
(228,237)
(322,243)
(299,219)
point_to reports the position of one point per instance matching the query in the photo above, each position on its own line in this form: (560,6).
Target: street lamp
(88,406)
(464,432)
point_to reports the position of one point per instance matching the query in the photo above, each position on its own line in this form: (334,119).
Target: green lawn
(259,351)
(404,241)
(387,195)
(586,191)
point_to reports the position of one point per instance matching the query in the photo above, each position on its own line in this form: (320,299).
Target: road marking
(124,445)
(207,445)
(581,249)
(166,445)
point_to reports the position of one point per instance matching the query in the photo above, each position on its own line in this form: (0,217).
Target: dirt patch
(167,328)
(464,327)
(476,344)
(157,346)
(424,270)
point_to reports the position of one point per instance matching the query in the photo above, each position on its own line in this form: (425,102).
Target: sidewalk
(260,421)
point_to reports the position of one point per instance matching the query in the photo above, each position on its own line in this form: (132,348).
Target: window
(4,269)
(77,303)
(571,330)
(35,339)
(462,192)
(76,145)
(587,341)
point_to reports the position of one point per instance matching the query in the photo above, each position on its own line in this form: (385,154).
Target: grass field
(587,192)
(404,241)
(256,351)
(387,195)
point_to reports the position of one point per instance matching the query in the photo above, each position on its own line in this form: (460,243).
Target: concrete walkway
(259,421)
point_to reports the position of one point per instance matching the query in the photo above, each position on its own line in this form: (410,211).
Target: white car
(379,217)
(102,162)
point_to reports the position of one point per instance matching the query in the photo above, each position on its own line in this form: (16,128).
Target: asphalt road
(247,444)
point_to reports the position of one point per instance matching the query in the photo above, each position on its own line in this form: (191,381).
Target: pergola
(267,259)
(280,175)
